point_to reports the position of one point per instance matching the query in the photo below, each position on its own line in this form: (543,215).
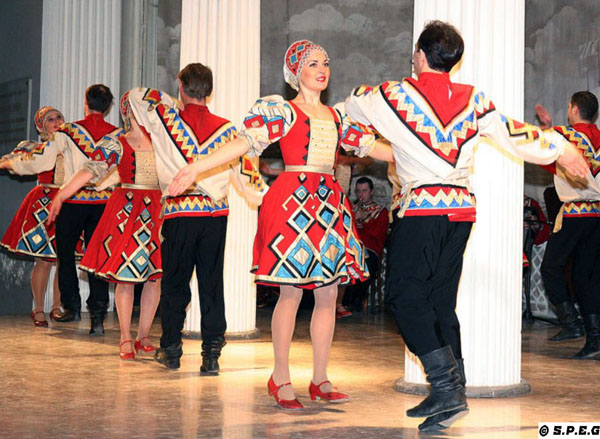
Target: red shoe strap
(324,382)
(279,387)
(123,342)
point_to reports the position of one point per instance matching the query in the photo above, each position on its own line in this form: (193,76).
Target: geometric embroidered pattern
(445,140)
(193,205)
(184,138)
(27,149)
(325,261)
(139,263)
(525,132)
(583,143)
(153,97)
(278,116)
(253,176)
(29,233)
(125,212)
(94,149)
(36,240)
(295,54)
(581,209)
(439,200)
(86,196)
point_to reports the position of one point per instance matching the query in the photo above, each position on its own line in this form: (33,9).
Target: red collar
(590,130)
(196,108)
(432,78)
(584,127)
(94,118)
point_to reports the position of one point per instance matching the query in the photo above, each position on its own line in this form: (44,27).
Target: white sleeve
(527,141)
(361,104)
(42,158)
(143,102)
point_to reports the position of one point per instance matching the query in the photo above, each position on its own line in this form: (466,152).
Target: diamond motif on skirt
(301,257)
(300,194)
(301,220)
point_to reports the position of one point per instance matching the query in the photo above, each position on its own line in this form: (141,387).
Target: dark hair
(587,103)
(363,180)
(98,97)
(196,80)
(442,44)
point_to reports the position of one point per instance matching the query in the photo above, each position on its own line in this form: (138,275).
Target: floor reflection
(59,383)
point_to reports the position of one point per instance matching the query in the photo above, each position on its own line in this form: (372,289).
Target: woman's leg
(55,292)
(148,305)
(322,325)
(124,303)
(282,329)
(39,282)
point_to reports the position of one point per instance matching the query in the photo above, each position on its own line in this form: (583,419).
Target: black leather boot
(591,349)
(97,324)
(571,326)
(211,351)
(446,419)
(446,391)
(169,356)
(69,315)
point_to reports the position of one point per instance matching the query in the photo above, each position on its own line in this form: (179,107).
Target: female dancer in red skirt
(28,232)
(306,236)
(125,248)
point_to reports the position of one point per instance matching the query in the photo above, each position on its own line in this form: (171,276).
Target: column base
(245,335)
(523,388)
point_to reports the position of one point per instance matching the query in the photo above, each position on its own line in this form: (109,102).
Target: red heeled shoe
(145,348)
(55,313)
(285,404)
(38,323)
(126,355)
(333,397)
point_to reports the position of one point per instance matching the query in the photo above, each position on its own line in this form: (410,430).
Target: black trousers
(356,293)
(425,263)
(194,242)
(580,238)
(72,220)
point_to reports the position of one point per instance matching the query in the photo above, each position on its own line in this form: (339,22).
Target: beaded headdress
(124,107)
(294,60)
(40,118)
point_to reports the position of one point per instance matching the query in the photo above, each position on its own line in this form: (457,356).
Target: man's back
(201,121)
(586,137)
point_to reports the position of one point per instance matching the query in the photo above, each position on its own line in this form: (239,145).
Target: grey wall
(562,56)
(168,38)
(20,52)
(562,39)
(368,41)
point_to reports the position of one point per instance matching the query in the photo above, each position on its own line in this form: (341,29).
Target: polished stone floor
(60,383)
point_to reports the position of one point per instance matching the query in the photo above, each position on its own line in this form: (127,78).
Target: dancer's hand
(573,162)
(6,164)
(183,180)
(55,207)
(543,116)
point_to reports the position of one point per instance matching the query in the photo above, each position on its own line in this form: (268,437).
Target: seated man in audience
(372,225)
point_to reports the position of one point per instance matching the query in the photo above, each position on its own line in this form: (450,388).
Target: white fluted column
(225,35)
(489,298)
(81,42)
(80,47)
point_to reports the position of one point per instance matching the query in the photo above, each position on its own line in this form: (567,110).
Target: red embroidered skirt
(306,235)
(125,247)
(28,233)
